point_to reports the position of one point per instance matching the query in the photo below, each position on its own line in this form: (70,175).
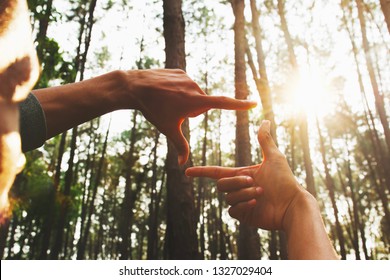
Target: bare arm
(269,197)
(164,96)
(306,234)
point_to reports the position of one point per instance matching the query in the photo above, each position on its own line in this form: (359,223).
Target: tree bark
(248,240)
(379,98)
(43,25)
(385,5)
(128,200)
(261,80)
(331,189)
(152,250)
(81,246)
(264,90)
(181,237)
(49,220)
(57,247)
(354,218)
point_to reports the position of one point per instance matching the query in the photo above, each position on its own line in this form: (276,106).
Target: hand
(259,195)
(167,96)
(19,68)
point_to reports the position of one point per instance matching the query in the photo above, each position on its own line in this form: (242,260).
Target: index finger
(217,172)
(223,102)
(214,172)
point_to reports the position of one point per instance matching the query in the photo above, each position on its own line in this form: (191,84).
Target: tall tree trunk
(202,181)
(302,118)
(201,189)
(98,250)
(264,90)
(81,246)
(355,209)
(152,250)
(49,219)
(42,29)
(88,174)
(57,247)
(221,230)
(385,5)
(248,240)
(261,80)
(182,240)
(88,37)
(331,188)
(354,218)
(379,98)
(128,200)
(44,20)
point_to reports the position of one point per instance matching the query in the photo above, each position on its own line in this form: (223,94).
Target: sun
(309,94)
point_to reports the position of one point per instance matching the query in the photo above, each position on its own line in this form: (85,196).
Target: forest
(112,188)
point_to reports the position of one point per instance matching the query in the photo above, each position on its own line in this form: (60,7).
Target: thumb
(180,143)
(265,139)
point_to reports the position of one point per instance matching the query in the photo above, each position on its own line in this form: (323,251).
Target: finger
(214,172)
(265,139)
(239,210)
(236,183)
(243,195)
(223,102)
(180,143)
(217,172)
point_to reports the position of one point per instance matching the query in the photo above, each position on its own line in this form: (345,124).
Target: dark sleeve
(32,124)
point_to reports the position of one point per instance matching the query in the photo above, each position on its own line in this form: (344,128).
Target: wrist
(125,96)
(302,204)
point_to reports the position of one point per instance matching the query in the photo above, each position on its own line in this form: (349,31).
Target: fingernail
(252,202)
(259,190)
(249,180)
(253,103)
(267,123)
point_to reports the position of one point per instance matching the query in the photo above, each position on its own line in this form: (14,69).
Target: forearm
(73,104)
(306,234)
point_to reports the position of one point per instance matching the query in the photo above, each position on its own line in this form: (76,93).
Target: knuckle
(265,135)
(221,184)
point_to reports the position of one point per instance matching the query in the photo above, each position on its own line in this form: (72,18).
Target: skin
(18,73)
(268,196)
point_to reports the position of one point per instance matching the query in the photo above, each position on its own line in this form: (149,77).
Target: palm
(275,177)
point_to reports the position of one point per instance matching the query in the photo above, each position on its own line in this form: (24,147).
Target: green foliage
(53,64)
(33,186)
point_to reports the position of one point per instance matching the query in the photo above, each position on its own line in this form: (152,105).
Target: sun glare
(309,94)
